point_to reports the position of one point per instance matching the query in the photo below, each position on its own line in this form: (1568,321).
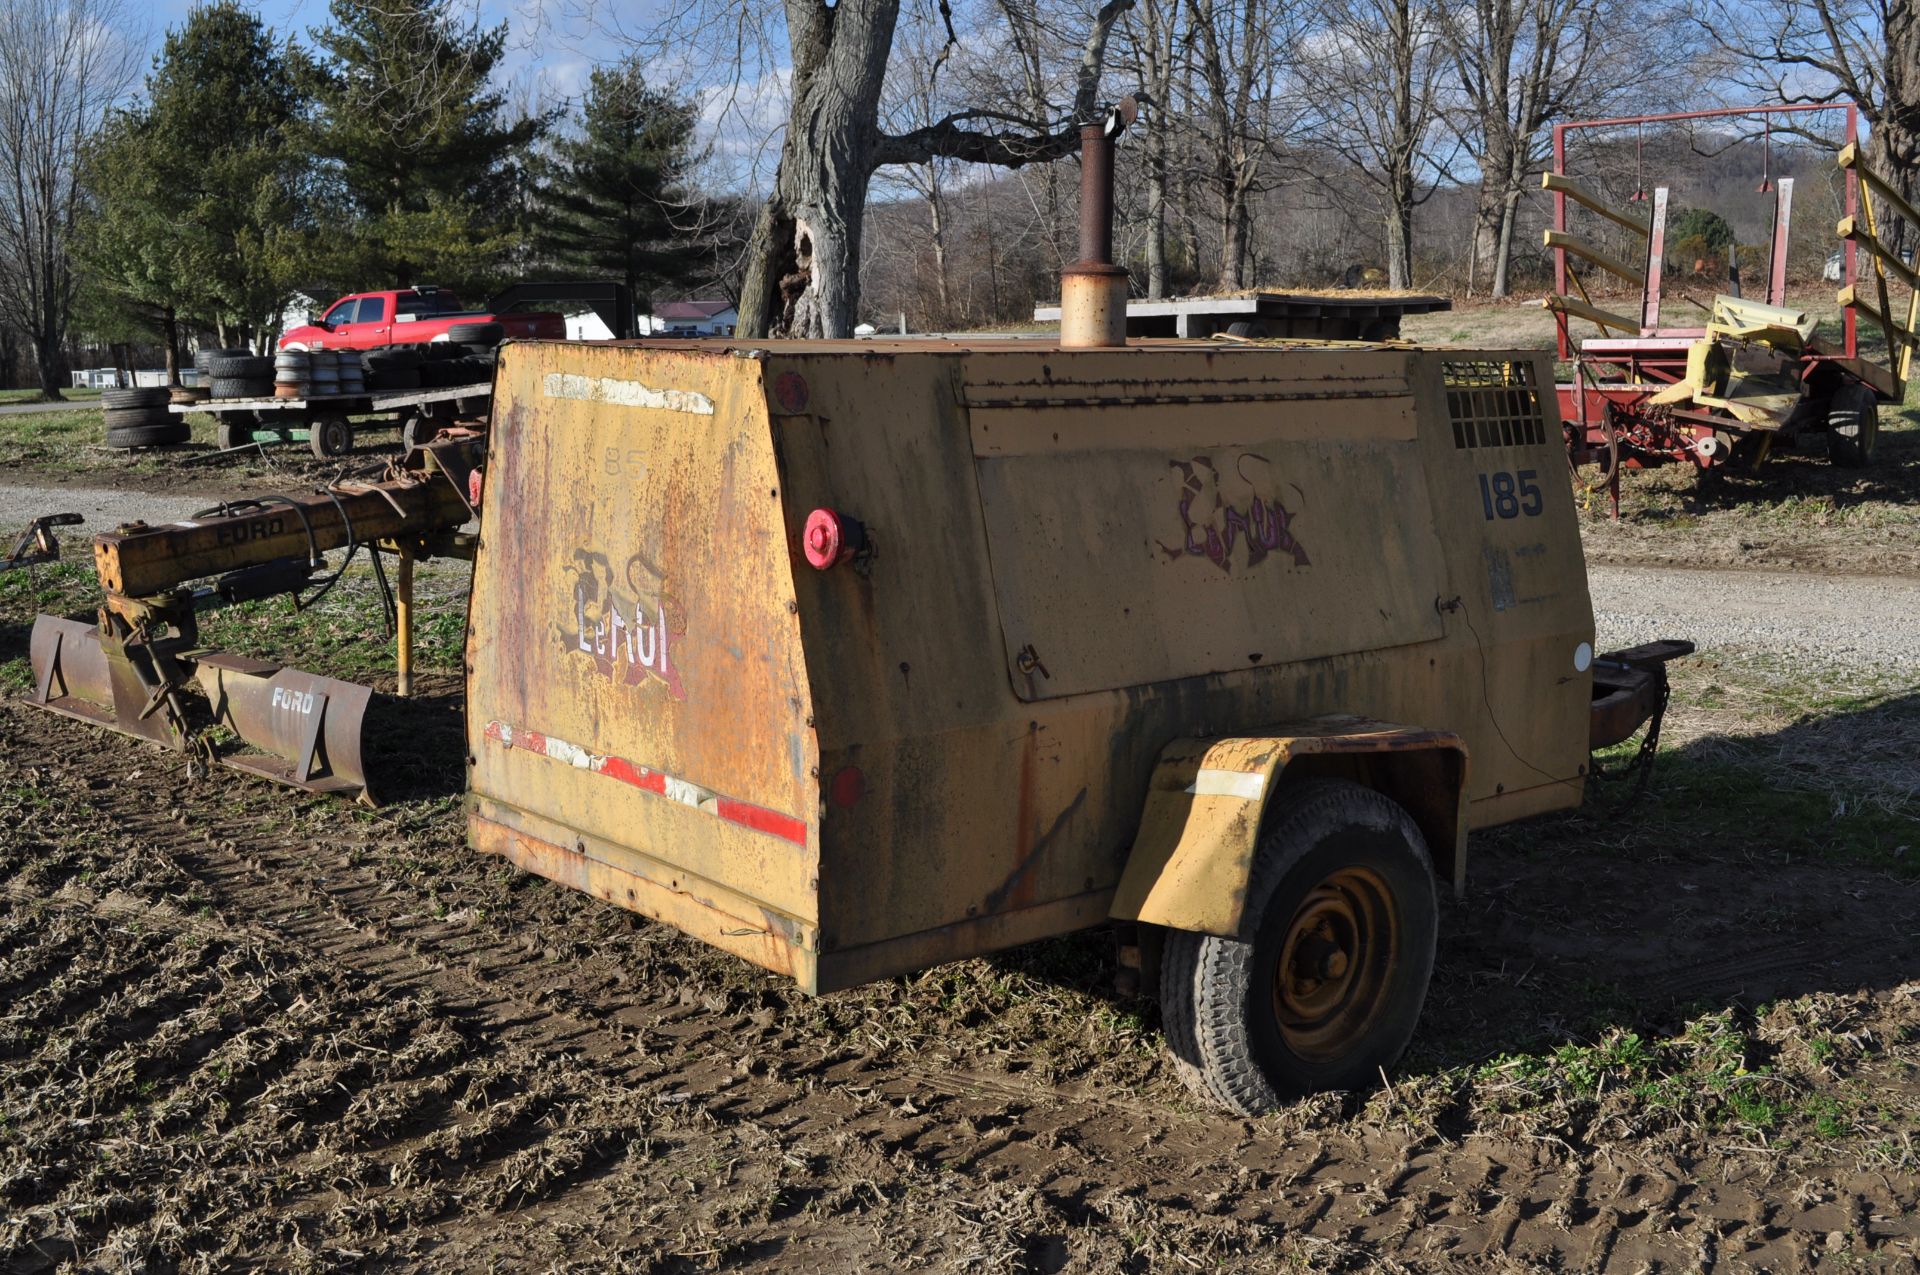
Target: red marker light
(473,490)
(831,538)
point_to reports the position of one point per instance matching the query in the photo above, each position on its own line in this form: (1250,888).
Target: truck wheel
(330,436)
(1343,916)
(1853,426)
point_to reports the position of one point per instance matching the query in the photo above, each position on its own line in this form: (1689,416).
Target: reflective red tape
(658,782)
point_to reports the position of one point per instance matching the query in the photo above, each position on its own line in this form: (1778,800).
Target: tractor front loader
(137,668)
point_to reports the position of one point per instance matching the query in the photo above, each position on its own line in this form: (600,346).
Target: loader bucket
(306,727)
(108,684)
(301,729)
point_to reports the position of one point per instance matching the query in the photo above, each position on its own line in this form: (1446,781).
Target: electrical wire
(1459,604)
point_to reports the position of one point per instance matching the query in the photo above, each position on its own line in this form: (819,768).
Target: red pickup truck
(409,316)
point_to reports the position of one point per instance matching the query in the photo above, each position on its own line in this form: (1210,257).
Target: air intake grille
(1493,403)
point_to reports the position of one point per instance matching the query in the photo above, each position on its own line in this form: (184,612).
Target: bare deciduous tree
(1865,51)
(62,64)
(1376,73)
(802,275)
(1523,63)
(1238,48)
(1153,55)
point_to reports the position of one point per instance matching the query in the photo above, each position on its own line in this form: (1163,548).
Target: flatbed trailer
(325,422)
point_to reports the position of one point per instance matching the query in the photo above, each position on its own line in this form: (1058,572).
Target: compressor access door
(1256,507)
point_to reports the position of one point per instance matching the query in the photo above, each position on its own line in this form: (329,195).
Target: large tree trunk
(1156,169)
(1233,241)
(935,209)
(46,352)
(170,335)
(1400,230)
(1503,254)
(802,277)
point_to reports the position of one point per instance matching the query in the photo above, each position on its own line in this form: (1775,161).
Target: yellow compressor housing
(1079,616)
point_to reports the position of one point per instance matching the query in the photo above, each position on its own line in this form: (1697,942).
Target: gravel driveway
(104,508)
(1869,621)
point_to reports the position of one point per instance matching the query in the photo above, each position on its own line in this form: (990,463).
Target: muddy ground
(1677,1030)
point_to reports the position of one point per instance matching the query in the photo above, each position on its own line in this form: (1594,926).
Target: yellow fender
(1189,866)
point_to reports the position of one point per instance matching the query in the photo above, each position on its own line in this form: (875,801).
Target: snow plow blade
(298,729)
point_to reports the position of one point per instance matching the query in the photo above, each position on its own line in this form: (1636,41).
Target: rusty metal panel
(950,817)
(634,653)
(1134,545)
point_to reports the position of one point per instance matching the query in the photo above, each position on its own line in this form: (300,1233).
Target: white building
(692,318)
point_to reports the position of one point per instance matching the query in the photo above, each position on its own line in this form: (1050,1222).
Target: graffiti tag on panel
(627,624)
(1233,517)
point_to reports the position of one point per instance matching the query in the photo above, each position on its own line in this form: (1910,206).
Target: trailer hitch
(1630,689)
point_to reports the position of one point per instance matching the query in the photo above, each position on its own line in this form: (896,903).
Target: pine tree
(199,197)
(612,190)
(422,147)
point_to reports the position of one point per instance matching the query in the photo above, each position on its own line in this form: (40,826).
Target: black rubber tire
(150,396)
(394,356)
(487,334)
(1251,331)
(1217,994)
(165,435)
(204,358)
(484,353)
(394,378)
(1853,426)
(136,417)
(438,351)
(330,436)
(230,434)
(248,368)
(233,387)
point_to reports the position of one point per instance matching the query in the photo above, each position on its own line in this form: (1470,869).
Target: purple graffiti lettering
(1265,526)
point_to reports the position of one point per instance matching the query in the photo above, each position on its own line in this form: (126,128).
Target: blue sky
(551,49)
(552,58)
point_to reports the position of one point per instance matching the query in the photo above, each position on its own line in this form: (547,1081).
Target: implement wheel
(1853,426)
(1342,914)
(231,433)
(330,436)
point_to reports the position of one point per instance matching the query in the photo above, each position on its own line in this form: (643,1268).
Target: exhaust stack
(1093,291)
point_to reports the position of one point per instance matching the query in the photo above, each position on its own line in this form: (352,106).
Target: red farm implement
(1648,393)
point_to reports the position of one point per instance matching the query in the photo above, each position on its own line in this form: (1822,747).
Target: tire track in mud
(309,1061)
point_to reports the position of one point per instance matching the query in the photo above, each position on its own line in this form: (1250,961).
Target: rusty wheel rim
(1331,980)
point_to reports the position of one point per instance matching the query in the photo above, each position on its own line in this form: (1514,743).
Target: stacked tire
(477,340)
(139,418)
(241,376)
(450,363)
(397,367)
(203,363)
(351,373)
(292,374)
(324,368)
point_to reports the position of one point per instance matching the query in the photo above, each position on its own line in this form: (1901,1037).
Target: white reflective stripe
(608,389)
(1228,783)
